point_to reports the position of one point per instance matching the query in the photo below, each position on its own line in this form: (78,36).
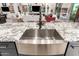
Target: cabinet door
(8,49)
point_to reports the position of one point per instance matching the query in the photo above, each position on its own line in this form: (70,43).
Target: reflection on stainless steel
(41,33)
(42,47)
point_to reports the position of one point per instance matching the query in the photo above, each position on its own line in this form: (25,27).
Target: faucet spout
(40,17)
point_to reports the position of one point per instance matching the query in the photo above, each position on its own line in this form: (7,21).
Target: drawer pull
(3,47)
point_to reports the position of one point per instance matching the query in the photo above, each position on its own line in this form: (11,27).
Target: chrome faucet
(40,17)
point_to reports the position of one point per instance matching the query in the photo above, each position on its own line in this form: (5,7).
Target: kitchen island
(13,32)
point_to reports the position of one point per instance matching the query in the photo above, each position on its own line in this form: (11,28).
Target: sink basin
(41,34)
(48,42)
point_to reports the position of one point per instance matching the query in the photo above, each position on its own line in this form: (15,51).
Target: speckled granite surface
(13,31)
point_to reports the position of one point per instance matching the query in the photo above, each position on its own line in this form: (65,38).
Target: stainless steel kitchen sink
(41,33)
(41,42)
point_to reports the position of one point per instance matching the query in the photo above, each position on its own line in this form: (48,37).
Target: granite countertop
(68,30)
(13,31)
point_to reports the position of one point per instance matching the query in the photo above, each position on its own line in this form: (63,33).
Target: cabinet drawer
(8,52)
(8,49)
(7,45)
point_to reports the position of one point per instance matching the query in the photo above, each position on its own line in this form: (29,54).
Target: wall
(65,14)
(15,8)
(52,7)
(0,8)
(67,5)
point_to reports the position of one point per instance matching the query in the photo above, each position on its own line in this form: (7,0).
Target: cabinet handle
(4,45)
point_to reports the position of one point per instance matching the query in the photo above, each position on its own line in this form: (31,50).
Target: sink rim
(46,32)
